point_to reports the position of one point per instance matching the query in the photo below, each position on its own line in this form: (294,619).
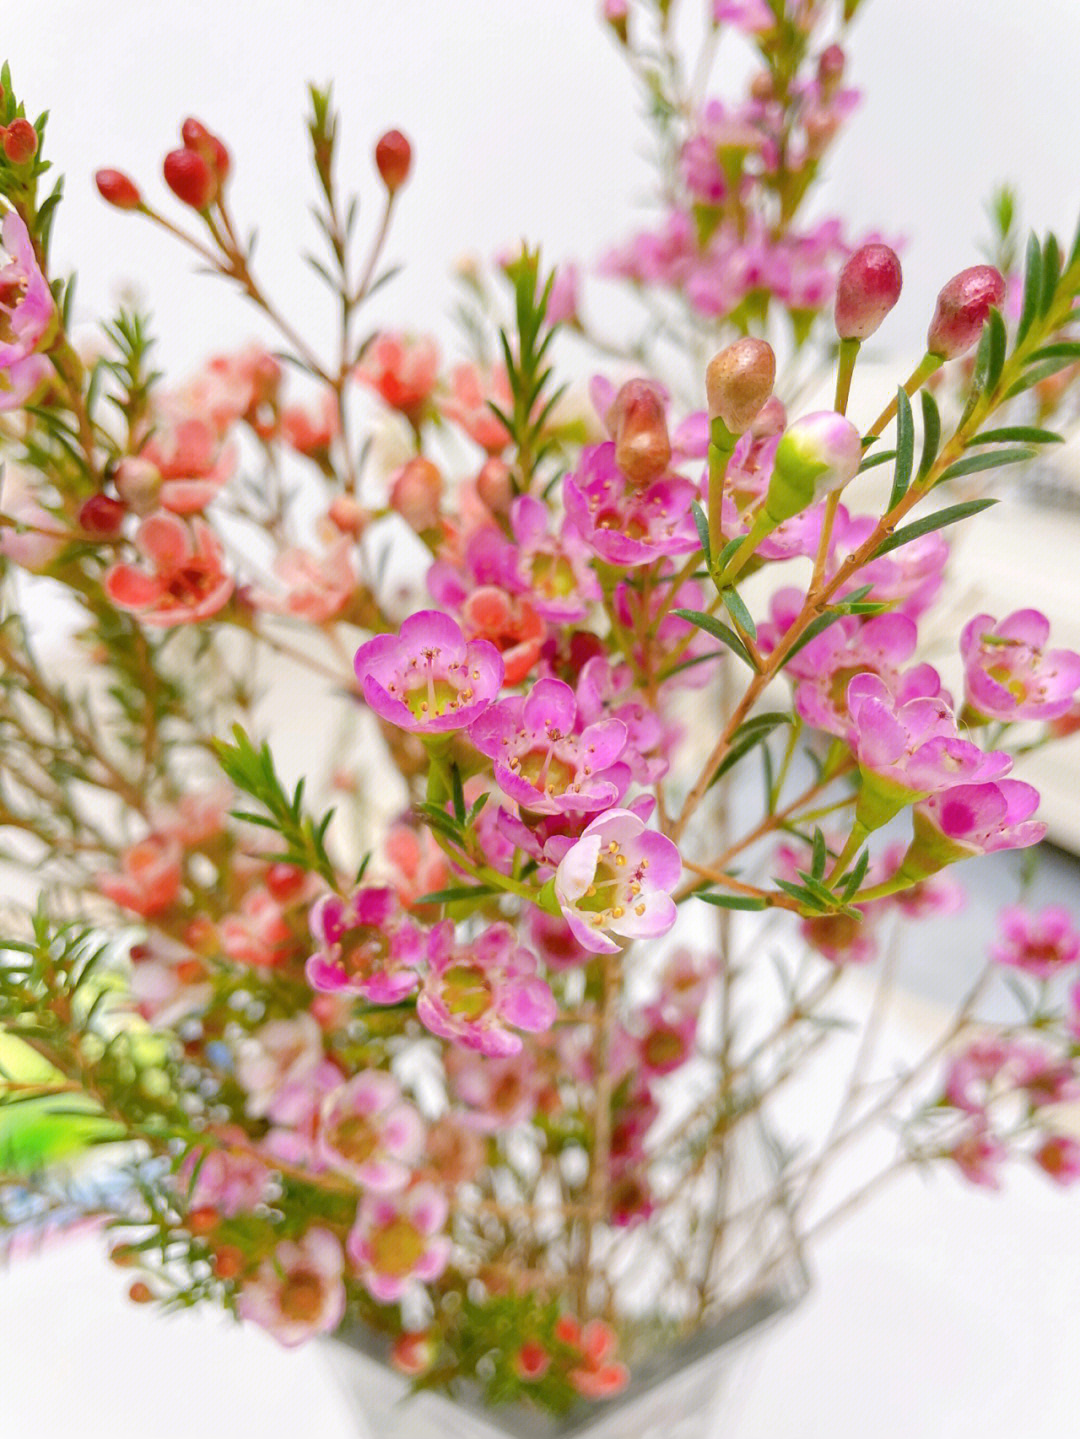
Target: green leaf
(450,896)
(1039,372)
(458,794)
(937,521)
(748,736)
(905,448)
(739,613)
(813,629)
(1018,434)
(719,631)
(882,457)
(990,460)
(1068,349)
(1051,267)
(701,524)
(855,876)
(733,901)
(820,855)
(803,895)
(1032,286)
(727,552)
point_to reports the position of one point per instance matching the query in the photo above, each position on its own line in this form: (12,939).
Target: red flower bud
(285,881)
(868,288)
(117,189)
(962,308)
(348,515)
(190,178)
(101,516)
(204,142)
(416,492)
(140,1293)
(203,1220)
(738,381)
(20,141)
(638,422)
(228,1262)
(393,159)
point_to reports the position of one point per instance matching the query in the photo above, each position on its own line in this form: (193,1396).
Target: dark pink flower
(1009,673)
(185,582)
(625,525)
(427,678)
(258,933)
(617,880)
(299,1291)
(27,308)
(367,947)
(1041,944)
(972,819)
(480,993)
(1059,1157)
(396,1241)
(467,405)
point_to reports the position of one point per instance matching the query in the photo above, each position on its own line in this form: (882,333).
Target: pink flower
(281,1055)
(910,577)
(597,1375)
(188,456)
(258,934)
(606,692)
(1009,673)
(1059,1157)
(195,818)
(426,678)
(27,308)
(972,819)
(226,1175)
(370,1132)
(30,536)
(624,525)
(540,761)
(468,405)
(299,1291)
(1041,944)
(479,993)
(979,1156)
(367,947)
(402,371)
(316,587)
(553,570)
(311,431)
(510,623)
(396,1241)
(186,581)
(499,1093)
(415,862)
(617,880)
(150,876)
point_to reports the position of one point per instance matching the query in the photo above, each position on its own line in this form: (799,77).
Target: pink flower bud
(738,382)
(638,423)
(617,15)
(962,308)
(138,483)
(347,515)
(118,190)
(190,178)
(868,288)
(495,486)
(817,454)
(20,141)
(393,159)
(416,492)
(830,68)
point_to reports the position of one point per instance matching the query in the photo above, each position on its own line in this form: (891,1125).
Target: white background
(938,1313)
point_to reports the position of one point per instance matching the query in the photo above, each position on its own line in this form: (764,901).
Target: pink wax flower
(624,525)
(187,455)
(186,581)
(27,308)
(196,818)
(972,819)
(396,1241)
(539,759)
(168,981)
(30,536)
(972,1074)
(366,947)
(480,993)
(979,1156)
(1059,1157)
(427,678)
(315,587)
(243,385)
(1042,943)
(597,1375)
(1009,673)
(604,691)
(370,1132)
(617,879)
(258,933)
(226,1175)
(281,1054)
(666,1043)
(910,750)
(910,577)
(311,430)
(299,1291)
(150,877)
(553,570)
(554,939)
(510,623)
(755,17)
(23,381)
(402,371)
(563,301)
(467,405)
(498,1093)
(295,1112)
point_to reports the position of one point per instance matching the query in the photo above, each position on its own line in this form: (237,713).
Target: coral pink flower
(168,981)
(426,678)
(186,451)
(239,386)
(259,934)
(540,761)
(226,1175)
(510,623)
(316,587)
(480,993)
(598,1375)
(1041,944)
(195,818)
(1059,1157)
(186,581)
(367,947)
(370,1132)
(150,876)
(298,1292)
(1009,673)
(624,525)
(617,880)
(30,536)
(416,865)
(27,308)
(402,371)
(467,405)
(311,431)
(396,1241)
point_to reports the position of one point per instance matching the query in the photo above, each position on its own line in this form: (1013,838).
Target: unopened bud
(348,515)
(962,308)
(138,483)
(817,454)
(393,159)
(20,141)
(617,15)
(118,189)
(868,288)
(285,881)
(204,142)
(190,177)
(101,516)
(738,381)
(495,486)
(203,1220)
(830,68)
(140,1293)
(416,492)
(228,1261)
(638,423)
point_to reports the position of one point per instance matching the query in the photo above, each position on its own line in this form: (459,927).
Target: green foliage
(527,367)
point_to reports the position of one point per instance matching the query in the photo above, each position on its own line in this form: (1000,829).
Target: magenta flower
(617,879)
(553,570)
(27,308)
(604,691)
(370,1132)
(1009,673)
(299,1291)
(427,678)
(186,581)
(624,525)
(396,1241)
(478,994)
(1041,944)
(367,947)
(972,819)
(540,761)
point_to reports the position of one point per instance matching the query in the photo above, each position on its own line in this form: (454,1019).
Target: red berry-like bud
(190,178)
(118,189)
(393,159)
(203,1220)
(101,516)
(228,1262)
(495,486)
(140,1293)
(868,288)
(637,421)
(738,381)
(204,142)
(962,308)
(348,515)
(20,141)
(284,881)
(416,492)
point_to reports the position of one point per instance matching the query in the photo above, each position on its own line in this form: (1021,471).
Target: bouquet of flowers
(451,1032)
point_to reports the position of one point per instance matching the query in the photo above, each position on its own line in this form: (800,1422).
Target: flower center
(301,1296)
(466,992)
(397,1248)
(355,1138)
